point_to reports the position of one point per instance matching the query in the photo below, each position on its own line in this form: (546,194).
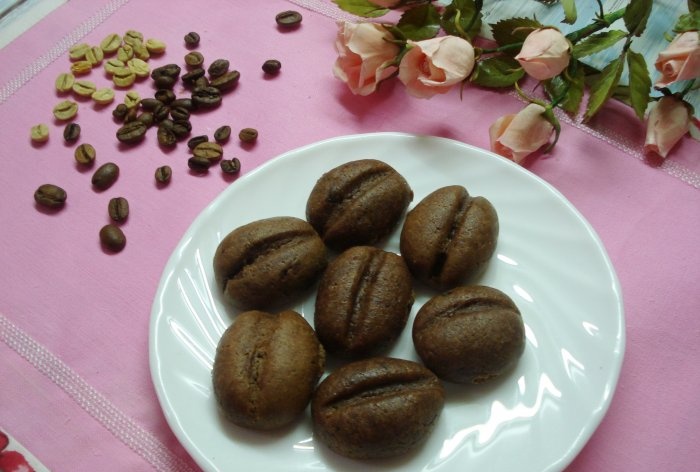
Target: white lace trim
(93,402)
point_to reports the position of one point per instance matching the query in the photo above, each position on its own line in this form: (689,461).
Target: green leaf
(363,8)
(597,42)
(497,72)
(569,11)
(640,83)
(693,5)
(513,30)
(688,22)
(419,23)
(571,85)
(636,16)
(603,87)
(464,11)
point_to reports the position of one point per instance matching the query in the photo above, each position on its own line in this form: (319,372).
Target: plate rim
(185,239)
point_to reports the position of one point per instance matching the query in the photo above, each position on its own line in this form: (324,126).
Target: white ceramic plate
(548,259)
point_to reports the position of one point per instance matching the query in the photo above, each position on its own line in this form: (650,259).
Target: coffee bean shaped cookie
(266,368)
(363,301)
(357,203)
(448,237)
(269,262)
(469,334)
(376,407)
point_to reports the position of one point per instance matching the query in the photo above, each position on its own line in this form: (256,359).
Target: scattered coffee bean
(65,110)
(155,46)
(146,118)
(193,142)
(179,114)
(133,37)
(50,196)
(39,133)
(120,112)
(111,43)
(113,65)
(222,134)
(192,39)
(212,152)
(198,164)
(191,77)
(132,99)
(150,104)
(105,176)
(185,103)
(103,96)
(271,66)
(166,137)
(118,209)
(123,77)
(194,59)
(132,132)
(230,166)
(81,67)
(77,51)
(201,82)
(218,68)
(161,113)
(206,97)
(71,132)
(288,19)
(181,128)
(85,154)
(112,238)
(64,82)
(125,52)
(84,88)
(166,76)
(165,96)
(163,174)
(226,81)
(248,135)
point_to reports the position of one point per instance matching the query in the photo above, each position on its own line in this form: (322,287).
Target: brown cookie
(363,301)
(357,203)
(377,407)
(448,237)
(469,334)
(266,368)
(269,262)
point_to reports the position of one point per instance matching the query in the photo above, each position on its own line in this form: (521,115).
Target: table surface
(74,318)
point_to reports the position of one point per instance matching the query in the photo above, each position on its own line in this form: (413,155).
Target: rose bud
(668,122)
(680,60)
(365,55)
(434,65)
(516,136)
(545,53)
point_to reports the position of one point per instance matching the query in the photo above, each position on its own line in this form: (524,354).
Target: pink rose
(545,53)
(434,65)
(516,136)
(364,56)
(680,60)
(668,122)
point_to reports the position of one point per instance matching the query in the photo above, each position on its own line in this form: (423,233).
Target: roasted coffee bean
(161,113)
(163,174)
(168,70)
(201,82)
(179,113)
(120,112)
(218,68)
(165,96)
(193,142)
(226,81)
(288,19)
(194,59)
(248,135)
(198,164)
(271,66)
(50,196)
(191,77)
(118,209)
(230,166)
(131,115)
(150,104)
(146,118)
(71,132)
(132,132)
(192,39)
(208,150)
(85,154)
(112,238)
(185,103)
(181,128)
(105,176)
(206,97)
(167,123)
(222,134)
(166,137)
(165,82)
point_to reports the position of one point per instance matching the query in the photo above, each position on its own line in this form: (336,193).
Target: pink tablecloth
(76,388)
